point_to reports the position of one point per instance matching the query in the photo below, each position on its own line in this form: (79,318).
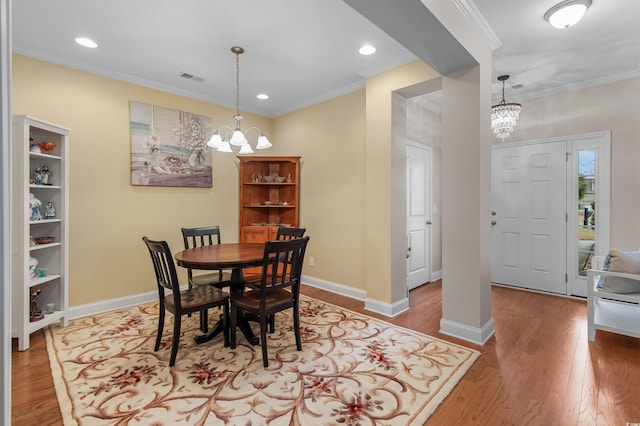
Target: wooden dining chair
(288,233)
(197,237)
(279,289)
(179,303)
(253,278)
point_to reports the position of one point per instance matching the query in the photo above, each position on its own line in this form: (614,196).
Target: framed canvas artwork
(169,147)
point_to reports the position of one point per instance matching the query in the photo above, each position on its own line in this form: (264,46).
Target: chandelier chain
(238,84)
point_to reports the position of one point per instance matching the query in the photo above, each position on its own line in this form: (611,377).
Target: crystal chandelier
(504,116)
(225,136)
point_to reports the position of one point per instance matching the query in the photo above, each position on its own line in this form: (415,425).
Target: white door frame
(601,143)
(428,214)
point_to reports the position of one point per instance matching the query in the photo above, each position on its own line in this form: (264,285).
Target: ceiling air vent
(190,76)
(517,86)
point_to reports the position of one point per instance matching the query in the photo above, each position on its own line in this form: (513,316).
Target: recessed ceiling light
(262,96)
(367,49)
(567,13)
(86,42)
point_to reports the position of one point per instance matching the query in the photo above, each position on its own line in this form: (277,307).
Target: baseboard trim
(479,336)
(383,308)
(436,275)
(89,309)
(332,287)
(387,309)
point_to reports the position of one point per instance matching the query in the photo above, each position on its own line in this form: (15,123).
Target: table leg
(237,286)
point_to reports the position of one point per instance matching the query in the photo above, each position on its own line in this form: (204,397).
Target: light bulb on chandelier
(504,116)
(225,136)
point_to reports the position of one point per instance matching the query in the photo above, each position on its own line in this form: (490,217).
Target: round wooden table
(233,256)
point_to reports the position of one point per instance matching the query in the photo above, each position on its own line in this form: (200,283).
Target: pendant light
(226,136)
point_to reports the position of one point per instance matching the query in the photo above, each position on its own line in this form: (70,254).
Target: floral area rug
(353,370)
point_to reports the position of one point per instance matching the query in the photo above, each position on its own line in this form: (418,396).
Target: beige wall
(615,107)
(108,216)
(385,264)
(330,138)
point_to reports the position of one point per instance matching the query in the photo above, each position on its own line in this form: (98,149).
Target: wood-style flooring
(538,369)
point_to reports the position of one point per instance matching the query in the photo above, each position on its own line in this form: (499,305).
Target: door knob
(493,222)
(493,213)
(428,222)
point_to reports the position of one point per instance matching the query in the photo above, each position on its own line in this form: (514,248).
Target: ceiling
(304,52)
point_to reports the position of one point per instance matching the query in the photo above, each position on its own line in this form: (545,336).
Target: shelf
(53,257)
(41,155)
(34,186)
(259,221)
(290,206)
(41,280)
(270,183)
(47,320)
(43,246)
(37,222)
(617,317)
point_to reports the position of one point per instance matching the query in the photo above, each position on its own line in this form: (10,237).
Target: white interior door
(529,216)
(418,215)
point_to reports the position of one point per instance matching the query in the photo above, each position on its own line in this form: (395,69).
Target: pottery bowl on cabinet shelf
(45,147)
(44,240)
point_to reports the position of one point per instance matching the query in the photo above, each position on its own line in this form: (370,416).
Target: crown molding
(473,15)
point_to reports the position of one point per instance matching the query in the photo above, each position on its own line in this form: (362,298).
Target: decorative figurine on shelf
(33,146)
(49,210)
(34,207)
(37,176)
(35,314)
(45,175)
(289,178)
(33,266)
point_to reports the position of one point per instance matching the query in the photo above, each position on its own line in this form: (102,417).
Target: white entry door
(529,216)
(418,215)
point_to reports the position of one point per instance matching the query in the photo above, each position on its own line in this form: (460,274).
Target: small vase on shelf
(33,266)
(34,207)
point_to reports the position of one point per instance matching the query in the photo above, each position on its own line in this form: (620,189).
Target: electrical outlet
(312,261)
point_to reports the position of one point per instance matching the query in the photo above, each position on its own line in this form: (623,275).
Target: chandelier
(225,136)
(504,116)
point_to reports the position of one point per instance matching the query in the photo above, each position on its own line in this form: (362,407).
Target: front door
(529,216)
(418,215)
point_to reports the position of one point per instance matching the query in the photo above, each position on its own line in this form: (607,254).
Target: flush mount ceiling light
(504,116)
(567,13)
(225,136)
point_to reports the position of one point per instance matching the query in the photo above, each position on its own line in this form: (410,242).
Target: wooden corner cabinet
(39,226)
(269,196)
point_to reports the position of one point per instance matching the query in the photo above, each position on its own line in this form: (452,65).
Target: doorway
(419,166)
(545,229)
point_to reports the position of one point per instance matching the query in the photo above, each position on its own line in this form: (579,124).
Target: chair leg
(204,321)
(272,323)
(176,339)
(232,327)
(263,340)
(160,328)
(225,324)
(296,326)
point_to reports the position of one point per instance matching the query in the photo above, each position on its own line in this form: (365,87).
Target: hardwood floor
(538,369)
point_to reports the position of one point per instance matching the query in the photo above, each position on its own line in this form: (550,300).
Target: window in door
(586,209)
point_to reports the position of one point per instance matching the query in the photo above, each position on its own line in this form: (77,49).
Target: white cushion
(621,261)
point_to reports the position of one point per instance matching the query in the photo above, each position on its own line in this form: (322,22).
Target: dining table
(227,256)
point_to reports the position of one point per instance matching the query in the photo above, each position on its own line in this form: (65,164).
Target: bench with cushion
(613,294)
